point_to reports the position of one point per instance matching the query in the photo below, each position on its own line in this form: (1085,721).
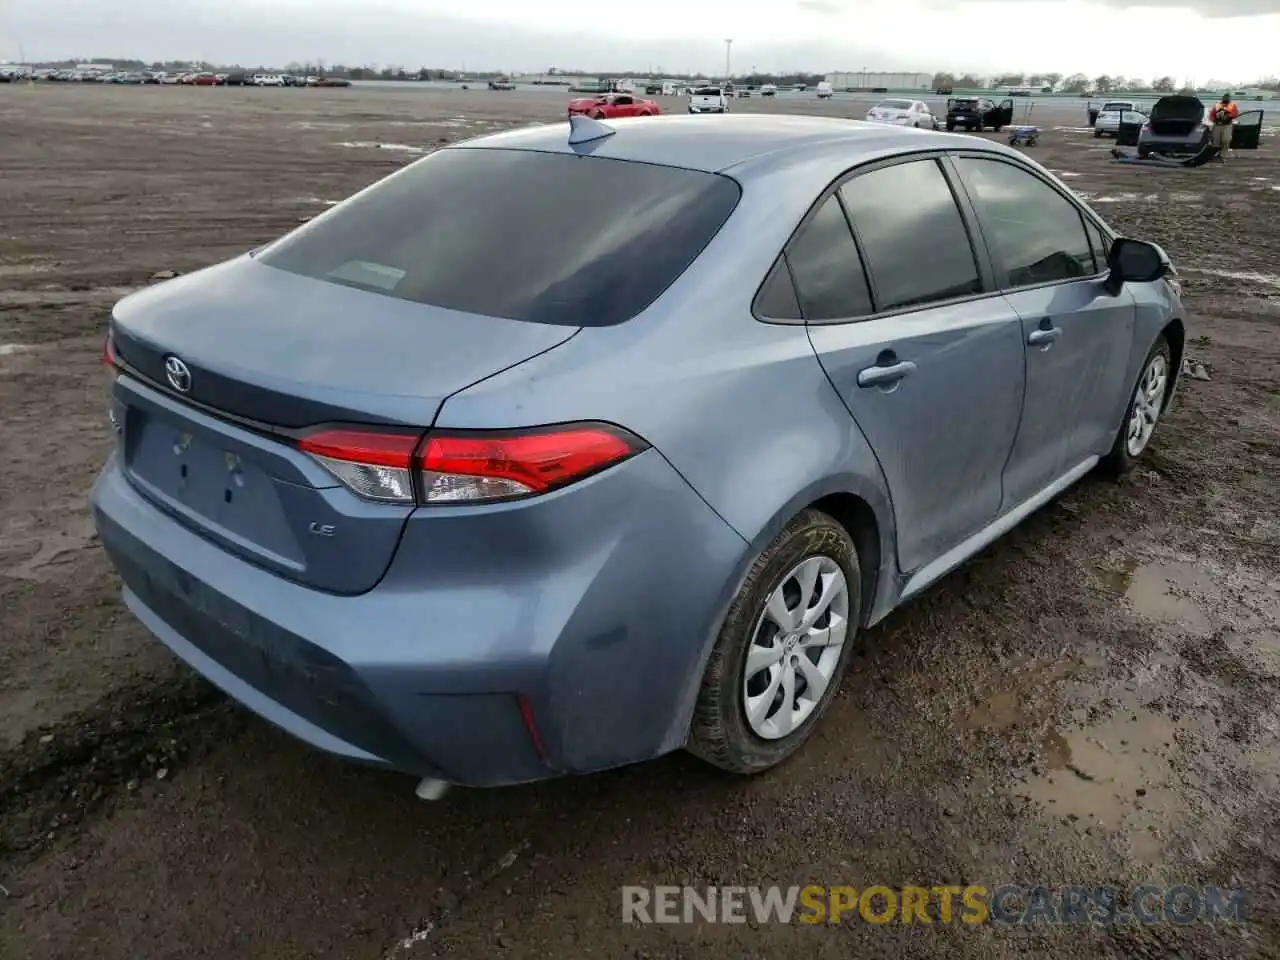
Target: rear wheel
(1146,404)
(1097,134)
(782,650)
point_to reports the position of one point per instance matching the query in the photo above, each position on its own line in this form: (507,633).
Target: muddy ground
(1092,701)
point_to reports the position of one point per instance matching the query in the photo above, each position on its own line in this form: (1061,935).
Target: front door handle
(1044,336)
(880,376)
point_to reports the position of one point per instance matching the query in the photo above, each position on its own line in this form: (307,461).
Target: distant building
(863,80)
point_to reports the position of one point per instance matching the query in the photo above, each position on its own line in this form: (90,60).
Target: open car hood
(1178,108)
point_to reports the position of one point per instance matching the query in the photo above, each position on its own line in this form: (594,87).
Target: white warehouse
(890,81)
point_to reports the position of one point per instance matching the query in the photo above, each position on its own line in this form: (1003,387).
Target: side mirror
(1134,261)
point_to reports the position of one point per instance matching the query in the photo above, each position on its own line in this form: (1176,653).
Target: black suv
(978,113)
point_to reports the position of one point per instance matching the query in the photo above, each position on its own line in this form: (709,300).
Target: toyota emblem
(178,374)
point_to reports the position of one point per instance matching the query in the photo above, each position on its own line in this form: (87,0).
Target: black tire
(1097,134)
(950,125)
(977,128)
(1144,152)
(720,734)
(1118,460)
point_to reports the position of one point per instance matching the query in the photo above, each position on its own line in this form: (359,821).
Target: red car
(612,105)
(205,80)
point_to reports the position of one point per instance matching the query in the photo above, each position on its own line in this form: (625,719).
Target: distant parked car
(978,113)
(824,91)
(903,113)
(329,82)
(613,105)
(268,80)
(1107,120)
(769,90)
(204,80)
(501,83)
(170,79)
(524,547)
(1179,124)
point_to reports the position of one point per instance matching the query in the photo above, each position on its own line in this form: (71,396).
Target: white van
(824,90)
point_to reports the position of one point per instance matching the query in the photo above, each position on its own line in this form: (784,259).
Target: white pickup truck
(708,100)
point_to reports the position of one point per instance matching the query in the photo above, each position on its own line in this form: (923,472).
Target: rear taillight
(109,351)
(454,467)
(373,465)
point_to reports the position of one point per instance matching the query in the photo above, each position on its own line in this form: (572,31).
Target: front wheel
(597,115)
(782,650)
(1146,404)
(1097,134)
(950,125)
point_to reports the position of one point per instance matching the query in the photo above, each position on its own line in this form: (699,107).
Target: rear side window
(777,297)
(826,268)
(541,237)
(915,242)
(1035,232)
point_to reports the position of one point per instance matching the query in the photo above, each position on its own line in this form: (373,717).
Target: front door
(1003,115)
(932,380)
(1247,134)
(1076,334)
(1130,128)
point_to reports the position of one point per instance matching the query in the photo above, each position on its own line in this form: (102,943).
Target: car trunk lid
(268,354)
(1176,116)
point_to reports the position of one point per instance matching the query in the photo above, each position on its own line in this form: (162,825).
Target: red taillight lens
(466,466)
(474,467)
(376,465)
(109,352)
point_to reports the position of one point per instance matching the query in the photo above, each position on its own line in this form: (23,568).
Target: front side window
(912,234)
(1035,232)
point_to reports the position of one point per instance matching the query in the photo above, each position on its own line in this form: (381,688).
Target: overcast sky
(1235,40)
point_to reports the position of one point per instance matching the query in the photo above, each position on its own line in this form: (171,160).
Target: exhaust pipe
(430,788)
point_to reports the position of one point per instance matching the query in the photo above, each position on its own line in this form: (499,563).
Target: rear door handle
(1043,337)
(881,375)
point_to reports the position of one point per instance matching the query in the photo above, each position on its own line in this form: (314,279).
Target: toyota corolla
(723,397)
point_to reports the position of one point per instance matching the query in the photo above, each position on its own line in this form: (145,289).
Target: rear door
(927,361)
(1004,114)
(1077,335)
(1247,134)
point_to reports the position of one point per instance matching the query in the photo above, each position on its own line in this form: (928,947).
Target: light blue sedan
(567,447)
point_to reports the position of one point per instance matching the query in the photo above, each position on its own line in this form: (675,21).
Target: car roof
(734,143)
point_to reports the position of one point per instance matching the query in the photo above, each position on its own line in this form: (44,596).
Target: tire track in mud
(60,774)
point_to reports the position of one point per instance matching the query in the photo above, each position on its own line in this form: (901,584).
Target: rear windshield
(542,237)
(896,105)
(707,92)
(1117,106)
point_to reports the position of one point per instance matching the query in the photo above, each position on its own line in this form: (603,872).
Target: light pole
(728,45)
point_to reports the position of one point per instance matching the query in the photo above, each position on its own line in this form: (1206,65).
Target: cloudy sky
(1233,40)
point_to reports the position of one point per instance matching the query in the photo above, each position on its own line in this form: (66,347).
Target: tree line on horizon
(1074,83)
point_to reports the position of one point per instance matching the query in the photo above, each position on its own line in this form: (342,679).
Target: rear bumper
(595,605)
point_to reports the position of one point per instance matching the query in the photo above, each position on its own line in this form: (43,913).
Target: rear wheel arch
(859,520)
(1176,335)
